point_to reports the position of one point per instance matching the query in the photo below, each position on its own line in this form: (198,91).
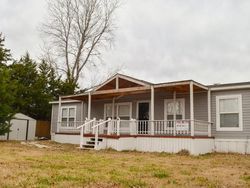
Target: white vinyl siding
(229,113)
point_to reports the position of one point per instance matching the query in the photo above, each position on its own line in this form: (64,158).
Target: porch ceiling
(179,87)
(107,94)
(185,88)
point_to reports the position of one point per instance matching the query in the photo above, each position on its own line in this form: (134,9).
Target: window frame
(218,122)
(117,106)
(67,122)
(166,101)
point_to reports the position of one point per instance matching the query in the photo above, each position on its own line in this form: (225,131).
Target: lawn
(66,166)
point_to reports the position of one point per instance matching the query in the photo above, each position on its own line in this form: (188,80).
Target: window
(122,110)
(68,116)
(179,108)
(108,111)
(229,113)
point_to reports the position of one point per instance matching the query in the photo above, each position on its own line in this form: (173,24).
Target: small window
(68,116)
(229,113)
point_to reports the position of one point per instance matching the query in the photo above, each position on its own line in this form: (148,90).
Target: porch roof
(178,86)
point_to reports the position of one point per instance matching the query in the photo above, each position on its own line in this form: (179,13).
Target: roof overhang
(65,101)
(181,86)
(121,85)
(229,87)
(106,94)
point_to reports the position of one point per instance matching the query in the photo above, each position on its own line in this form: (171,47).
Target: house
(22,128)
(126,113)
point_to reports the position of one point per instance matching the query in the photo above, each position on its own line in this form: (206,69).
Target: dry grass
(66,166)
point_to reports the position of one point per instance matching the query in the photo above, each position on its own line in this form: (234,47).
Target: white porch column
(174,118)
(191,87)
(152,110)
(82,111)
(59,119)
(113,108)
(209,111)
(89,106)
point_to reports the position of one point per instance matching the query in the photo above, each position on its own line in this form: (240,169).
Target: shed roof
(22,116)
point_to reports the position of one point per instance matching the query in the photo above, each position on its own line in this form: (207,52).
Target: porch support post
(191,86)
(89,106)
(174,101)
(113,108)
(209,111)
(152,110)
(59,119)
(82,111)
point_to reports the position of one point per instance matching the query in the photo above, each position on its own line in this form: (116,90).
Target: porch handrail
(85,124)
(198,124)
(102,122)
(96,130)
(81,132)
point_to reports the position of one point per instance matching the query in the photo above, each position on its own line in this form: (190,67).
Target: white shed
(22,128)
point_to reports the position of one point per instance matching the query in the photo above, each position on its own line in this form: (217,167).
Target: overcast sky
(156,40)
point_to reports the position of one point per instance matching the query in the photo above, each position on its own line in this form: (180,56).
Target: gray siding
(97,106)
(200,105)
(245,113)
(54,114)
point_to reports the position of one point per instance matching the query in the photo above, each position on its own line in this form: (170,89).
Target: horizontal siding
(54,115)
(200,104)
(245,113)
(97,106)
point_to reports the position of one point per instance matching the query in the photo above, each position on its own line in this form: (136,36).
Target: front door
(143,117)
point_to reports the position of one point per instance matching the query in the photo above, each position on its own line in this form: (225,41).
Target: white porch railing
(86,126)
(97,127)
(145,127)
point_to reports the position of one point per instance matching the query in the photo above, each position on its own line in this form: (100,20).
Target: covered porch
(165,109)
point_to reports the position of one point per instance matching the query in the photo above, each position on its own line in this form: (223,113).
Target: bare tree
(77,31)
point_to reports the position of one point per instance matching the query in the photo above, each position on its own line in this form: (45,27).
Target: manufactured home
(126,113)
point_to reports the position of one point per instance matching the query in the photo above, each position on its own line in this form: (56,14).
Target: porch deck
(142,135)
(132,128)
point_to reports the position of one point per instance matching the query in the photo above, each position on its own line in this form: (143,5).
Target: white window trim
(171,100)
(117,104)
(68,107)
(137,108)
(218,98)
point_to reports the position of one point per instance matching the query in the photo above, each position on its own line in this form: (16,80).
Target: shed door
(18,130)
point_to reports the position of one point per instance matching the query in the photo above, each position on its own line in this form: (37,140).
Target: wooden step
(90,142)
(88,146)
(99,139)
